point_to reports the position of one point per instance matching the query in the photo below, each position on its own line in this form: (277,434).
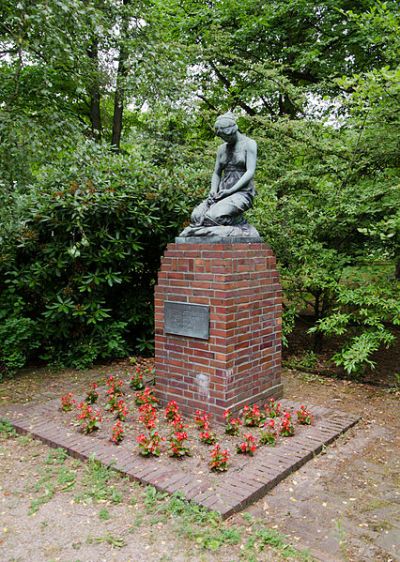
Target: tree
(321,195)
(46,77)
(268,57)
(336,208)
(316,84)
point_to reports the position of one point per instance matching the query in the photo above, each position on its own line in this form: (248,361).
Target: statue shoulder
(221,150)
(251,144)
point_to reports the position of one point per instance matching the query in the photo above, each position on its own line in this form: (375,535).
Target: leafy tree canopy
(106,141)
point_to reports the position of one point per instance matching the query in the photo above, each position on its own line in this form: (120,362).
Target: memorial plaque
(184,319)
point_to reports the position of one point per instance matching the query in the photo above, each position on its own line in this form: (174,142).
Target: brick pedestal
(240,361)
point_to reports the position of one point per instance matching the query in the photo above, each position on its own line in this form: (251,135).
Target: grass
(97,484)
(56,456)
(104,514)
(202,530)
(66,478)
(6,429)
(374,504)
(24,440)
(341,533)
(46,488)
(208,532)
(270,537)
(54,476)
(308,361)
(310,377)
(113,540)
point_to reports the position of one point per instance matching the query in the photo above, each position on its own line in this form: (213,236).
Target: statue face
(228,134)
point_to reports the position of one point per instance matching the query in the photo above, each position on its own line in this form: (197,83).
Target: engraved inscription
(184,319)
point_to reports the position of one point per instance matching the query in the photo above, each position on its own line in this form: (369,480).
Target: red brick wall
(240,362)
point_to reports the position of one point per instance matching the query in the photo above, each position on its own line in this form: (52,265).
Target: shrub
(18,339)
(79,255)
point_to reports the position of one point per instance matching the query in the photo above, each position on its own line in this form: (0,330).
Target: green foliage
(79,258)
(82,228)
(278,541)
(104,514)
(307,362)
(317,216)
(113,540)
(330,203)
(98,484)
(370,309)
(6,429)
(58,456)
(267,57)
(18,340)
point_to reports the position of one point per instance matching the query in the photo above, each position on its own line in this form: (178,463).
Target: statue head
(226,127)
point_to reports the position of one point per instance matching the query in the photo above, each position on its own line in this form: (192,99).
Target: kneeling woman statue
(232,186)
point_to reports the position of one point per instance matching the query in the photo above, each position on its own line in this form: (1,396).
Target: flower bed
(132,419)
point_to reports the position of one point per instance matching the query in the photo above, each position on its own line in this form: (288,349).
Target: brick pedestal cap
(240,363)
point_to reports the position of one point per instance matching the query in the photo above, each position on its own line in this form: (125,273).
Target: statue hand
(220,195)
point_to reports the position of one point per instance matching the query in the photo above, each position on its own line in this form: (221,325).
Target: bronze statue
(232,186)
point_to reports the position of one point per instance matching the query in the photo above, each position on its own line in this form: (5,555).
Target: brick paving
(226,493)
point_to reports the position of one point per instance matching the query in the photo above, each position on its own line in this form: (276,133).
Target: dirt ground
(344,505)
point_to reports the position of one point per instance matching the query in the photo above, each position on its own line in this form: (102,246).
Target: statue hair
(226,121)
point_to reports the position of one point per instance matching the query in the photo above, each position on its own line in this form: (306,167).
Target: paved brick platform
(226,493)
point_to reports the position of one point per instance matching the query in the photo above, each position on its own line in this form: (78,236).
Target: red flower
(201,419)
(88,419)
(149,446)
(117,433)
(248,446)
(219,459)
(232,425)
(148,415)
(253,417)
(287,427)
(146,397)
(67,402)
(172,411)
(207,437)
(122,410)
(273,409)
(136,381)
(178,447)
(304,416)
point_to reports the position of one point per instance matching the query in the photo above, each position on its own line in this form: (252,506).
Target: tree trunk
(318,336)
(122,72)
(397,270)
(286,107)
(94,113)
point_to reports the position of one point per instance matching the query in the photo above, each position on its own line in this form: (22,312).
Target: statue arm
(216,177)
(251,159)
